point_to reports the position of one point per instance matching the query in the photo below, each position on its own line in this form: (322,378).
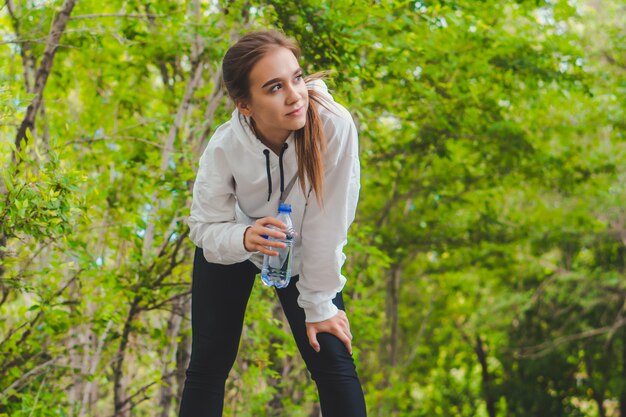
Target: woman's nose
(293,94)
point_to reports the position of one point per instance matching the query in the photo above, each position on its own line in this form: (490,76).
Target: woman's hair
(310,140)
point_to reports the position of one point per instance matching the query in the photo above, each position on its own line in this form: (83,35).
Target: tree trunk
(183,352)
(213,102)
(486,378)
(316,411)
(622,397)
(5,289)
(597,392)
(43,71)
(119,388)
(90,392)
(169,356)
(28,60)
(392,303)
(45,134)
(74,344)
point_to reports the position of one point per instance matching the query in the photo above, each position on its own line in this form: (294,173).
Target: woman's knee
(333,361)
(205,379)
(210,358)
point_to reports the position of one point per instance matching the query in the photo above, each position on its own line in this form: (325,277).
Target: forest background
(486,266)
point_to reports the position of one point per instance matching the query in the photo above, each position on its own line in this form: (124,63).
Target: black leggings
(219,297)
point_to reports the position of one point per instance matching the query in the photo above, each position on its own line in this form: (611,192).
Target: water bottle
(276,270)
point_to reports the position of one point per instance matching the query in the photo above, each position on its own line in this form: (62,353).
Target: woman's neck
(274,143)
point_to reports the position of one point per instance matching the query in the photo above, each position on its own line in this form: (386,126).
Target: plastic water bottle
(276,270)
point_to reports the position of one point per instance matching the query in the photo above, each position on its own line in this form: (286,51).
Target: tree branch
(128,401)
(27,375)
(170,232)
(175,297)
(548,346)
(613,61)
(131,138)
(31,324)
(24,41)
(5,294)
(179,241)
(129,16)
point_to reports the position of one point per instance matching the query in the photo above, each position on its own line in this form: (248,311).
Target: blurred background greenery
(486,267)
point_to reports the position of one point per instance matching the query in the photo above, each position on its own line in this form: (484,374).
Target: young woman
(285,129)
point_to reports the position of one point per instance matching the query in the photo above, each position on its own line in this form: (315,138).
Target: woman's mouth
(296,112)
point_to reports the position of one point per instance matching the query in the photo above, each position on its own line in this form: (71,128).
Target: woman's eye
(275,88)
(299,77)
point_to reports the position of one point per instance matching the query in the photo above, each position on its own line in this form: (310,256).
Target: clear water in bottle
(276,270)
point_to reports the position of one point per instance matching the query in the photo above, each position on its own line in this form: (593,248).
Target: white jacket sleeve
(212,224)
(325,228)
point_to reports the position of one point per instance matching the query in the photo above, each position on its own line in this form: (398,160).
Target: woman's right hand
(254,238)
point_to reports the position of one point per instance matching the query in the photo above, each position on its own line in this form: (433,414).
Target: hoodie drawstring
(269,174)
(282,176)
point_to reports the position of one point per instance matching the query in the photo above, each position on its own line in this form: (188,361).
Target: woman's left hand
(337,325)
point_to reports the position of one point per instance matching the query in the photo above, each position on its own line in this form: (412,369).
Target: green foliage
(41,200)
(486,265)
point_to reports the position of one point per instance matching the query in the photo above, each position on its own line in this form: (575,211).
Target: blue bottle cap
(284,208)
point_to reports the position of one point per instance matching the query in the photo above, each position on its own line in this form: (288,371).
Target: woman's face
(279,98)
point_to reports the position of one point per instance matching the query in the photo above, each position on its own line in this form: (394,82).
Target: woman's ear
(244,108)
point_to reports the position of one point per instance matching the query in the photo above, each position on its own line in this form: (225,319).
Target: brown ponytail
(310,140)
(311,145)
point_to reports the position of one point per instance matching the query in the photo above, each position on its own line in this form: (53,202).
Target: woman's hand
(337,325)
(254,238)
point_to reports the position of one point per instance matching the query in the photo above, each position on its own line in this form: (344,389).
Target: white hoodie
(231,192)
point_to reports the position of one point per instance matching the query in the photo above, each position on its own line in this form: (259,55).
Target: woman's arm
(325,227)
(212,220)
